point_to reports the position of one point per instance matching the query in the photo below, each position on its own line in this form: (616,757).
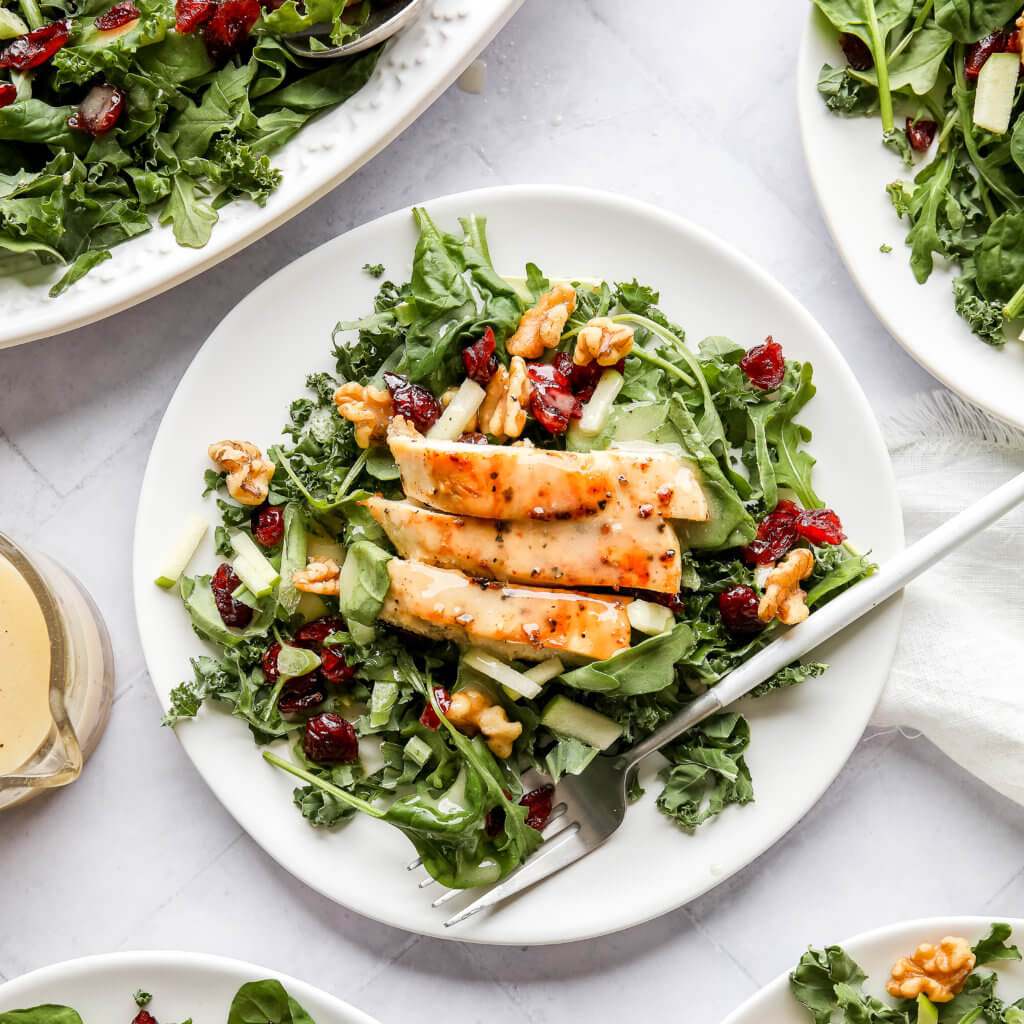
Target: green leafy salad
(936,984)
(952,69)
(256,1002)
(111,114)
(521,523)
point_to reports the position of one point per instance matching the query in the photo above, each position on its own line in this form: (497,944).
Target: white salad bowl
(255,363)
(876,952)
(849,168)
(184,986)
(417,66)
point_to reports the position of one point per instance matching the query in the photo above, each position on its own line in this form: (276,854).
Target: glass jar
(56,675)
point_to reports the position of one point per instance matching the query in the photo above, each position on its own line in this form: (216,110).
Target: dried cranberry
(494,822)
(479,358)
(144,1017)
(333,666)
(228,27)
(270,670)
(118,15)
(820,526)
(738,606)
(37,46)
(268,525)
(99,111)
(312,635)
(474,437)
(538,805)
(190,14)
(1014,42)
(292,702)
(980,52)
(550,375)
(920,134)
(413,402)
(776,534)
(764,365)
(856,52)
(224,583)
(444,702)
(551,399)
(329,737)
(8,94)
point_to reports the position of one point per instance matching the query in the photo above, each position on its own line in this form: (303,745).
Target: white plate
(876,952)
(254,364)
(418,65)
(849,169)
(183,985)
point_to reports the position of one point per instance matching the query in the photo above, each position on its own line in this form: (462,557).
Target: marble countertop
(634,98)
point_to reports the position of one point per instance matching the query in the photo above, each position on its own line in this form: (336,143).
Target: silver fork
(592,806)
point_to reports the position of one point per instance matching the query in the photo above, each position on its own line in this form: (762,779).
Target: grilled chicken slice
(600,551)
(522,482)
(520,622)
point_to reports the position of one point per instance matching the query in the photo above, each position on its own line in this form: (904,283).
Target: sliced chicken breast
(520,622)
(599,551)
(522,482)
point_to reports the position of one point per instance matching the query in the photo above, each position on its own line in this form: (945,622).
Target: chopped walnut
(248,472)
(503,410)
(783,599)
(472,712)
(937,971)
(369,408)
(446,400)
(541,327)
(604,340)
(321,576)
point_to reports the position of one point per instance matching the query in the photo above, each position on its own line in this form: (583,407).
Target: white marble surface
(636,98)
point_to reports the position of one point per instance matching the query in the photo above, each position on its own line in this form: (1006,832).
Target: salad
(521,523)
(936,983)
(256,1002)
(111,113)
(951,68)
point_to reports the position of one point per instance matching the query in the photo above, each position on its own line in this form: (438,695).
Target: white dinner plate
(876,952)
(254,364)
(417,66)
(183,986)
(849,169)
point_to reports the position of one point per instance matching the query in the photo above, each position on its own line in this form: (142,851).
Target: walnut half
(249,474)
(322,575)
(369,408)
(937,971)
(503,410)
(541,327)
(472,712)
(603,340)
(783,599)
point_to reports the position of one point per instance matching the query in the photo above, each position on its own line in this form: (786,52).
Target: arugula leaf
(258,1002)
(643,668)
(969,20)
(365,582)
(993,947)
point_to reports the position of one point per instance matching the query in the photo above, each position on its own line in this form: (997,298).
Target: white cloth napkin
(958,675)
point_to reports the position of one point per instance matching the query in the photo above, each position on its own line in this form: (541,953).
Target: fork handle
(835,616)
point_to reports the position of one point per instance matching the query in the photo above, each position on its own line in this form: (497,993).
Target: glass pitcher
(56,675)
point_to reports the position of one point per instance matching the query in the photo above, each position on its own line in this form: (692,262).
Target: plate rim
(927,925)
(806,100)
(50,321)
(176,958)
(636,208)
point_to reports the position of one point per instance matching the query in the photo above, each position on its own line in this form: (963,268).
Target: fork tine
(555,854)
(413,865)
(448,894)
(426,881)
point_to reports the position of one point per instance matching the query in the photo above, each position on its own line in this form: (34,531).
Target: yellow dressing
(24,671)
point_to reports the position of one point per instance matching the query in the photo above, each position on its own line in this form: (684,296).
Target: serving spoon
(385,20)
